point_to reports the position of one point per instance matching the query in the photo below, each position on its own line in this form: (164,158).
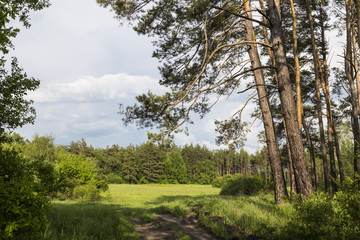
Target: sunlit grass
(109,219)
(227,216)
(153,194)
(238,217)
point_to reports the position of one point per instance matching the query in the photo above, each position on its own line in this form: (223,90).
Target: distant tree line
(63,167)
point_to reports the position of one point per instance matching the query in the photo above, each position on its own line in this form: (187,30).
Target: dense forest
(150,162)
(207,50)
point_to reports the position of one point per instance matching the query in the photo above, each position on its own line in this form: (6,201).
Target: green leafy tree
(79,177)
(16,10)
(14,86)
(40,154)
(23,201)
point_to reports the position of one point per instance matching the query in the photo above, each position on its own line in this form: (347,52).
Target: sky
(88,63)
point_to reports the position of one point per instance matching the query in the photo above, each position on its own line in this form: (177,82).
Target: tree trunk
(299,103)
(287,101)
(357,5)
(353,93)
(291,168)
(338,154)
(292,179)
(271,141)
(318,74)
(312,155)
(325,87)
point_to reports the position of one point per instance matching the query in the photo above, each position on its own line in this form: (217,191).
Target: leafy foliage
(23,201)
(220,181)
(79,178)
(14,86)
(244,185)
(16,10)
(323,217)
(231,132)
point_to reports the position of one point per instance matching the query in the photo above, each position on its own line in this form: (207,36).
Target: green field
(227,216)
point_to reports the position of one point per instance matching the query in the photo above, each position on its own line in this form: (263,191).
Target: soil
(167,227)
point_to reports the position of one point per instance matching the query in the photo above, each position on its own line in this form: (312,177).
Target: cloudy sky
(87,64)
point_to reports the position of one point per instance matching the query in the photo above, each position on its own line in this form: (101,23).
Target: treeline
(150,162)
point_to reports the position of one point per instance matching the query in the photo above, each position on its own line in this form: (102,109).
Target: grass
(108,220)
(228,217)
(80,221)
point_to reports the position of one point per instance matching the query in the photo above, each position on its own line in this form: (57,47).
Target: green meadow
(228,217)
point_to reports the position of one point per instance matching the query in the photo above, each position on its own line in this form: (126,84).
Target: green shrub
(87,193)
(312,218)
(114,178)
(347,208)
(219,181)
(142,180)
(79,178)
(323,217)
(23,204)
(244,185)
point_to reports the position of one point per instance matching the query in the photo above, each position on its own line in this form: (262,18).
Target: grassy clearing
(108,220)
(236,217)
(228,217)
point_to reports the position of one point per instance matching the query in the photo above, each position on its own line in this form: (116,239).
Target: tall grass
(84,221)
(244,217)
(109,219)
(236,217)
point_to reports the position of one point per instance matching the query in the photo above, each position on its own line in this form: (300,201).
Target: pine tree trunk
(325,87)
(357,5)
(299,103)
(328,101)
(318,74)
(287,101)
(312,155)
(338,154)
(271,141)
(291,168)
(267,42)
(353,93)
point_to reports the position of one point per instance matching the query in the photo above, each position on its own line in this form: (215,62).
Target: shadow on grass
(172,198)
(82,221)
(101,221)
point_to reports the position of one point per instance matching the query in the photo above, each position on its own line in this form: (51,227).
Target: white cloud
(92,89)
(87,65)
(182,139)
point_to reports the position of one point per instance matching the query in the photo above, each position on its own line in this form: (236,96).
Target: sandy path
(165,226)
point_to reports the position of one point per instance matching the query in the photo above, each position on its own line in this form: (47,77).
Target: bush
(219,181)
(142,180)
(114,178)
(23,204)
(79,178)
(323,217)
(87,193)
(244,185)
(312,218)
